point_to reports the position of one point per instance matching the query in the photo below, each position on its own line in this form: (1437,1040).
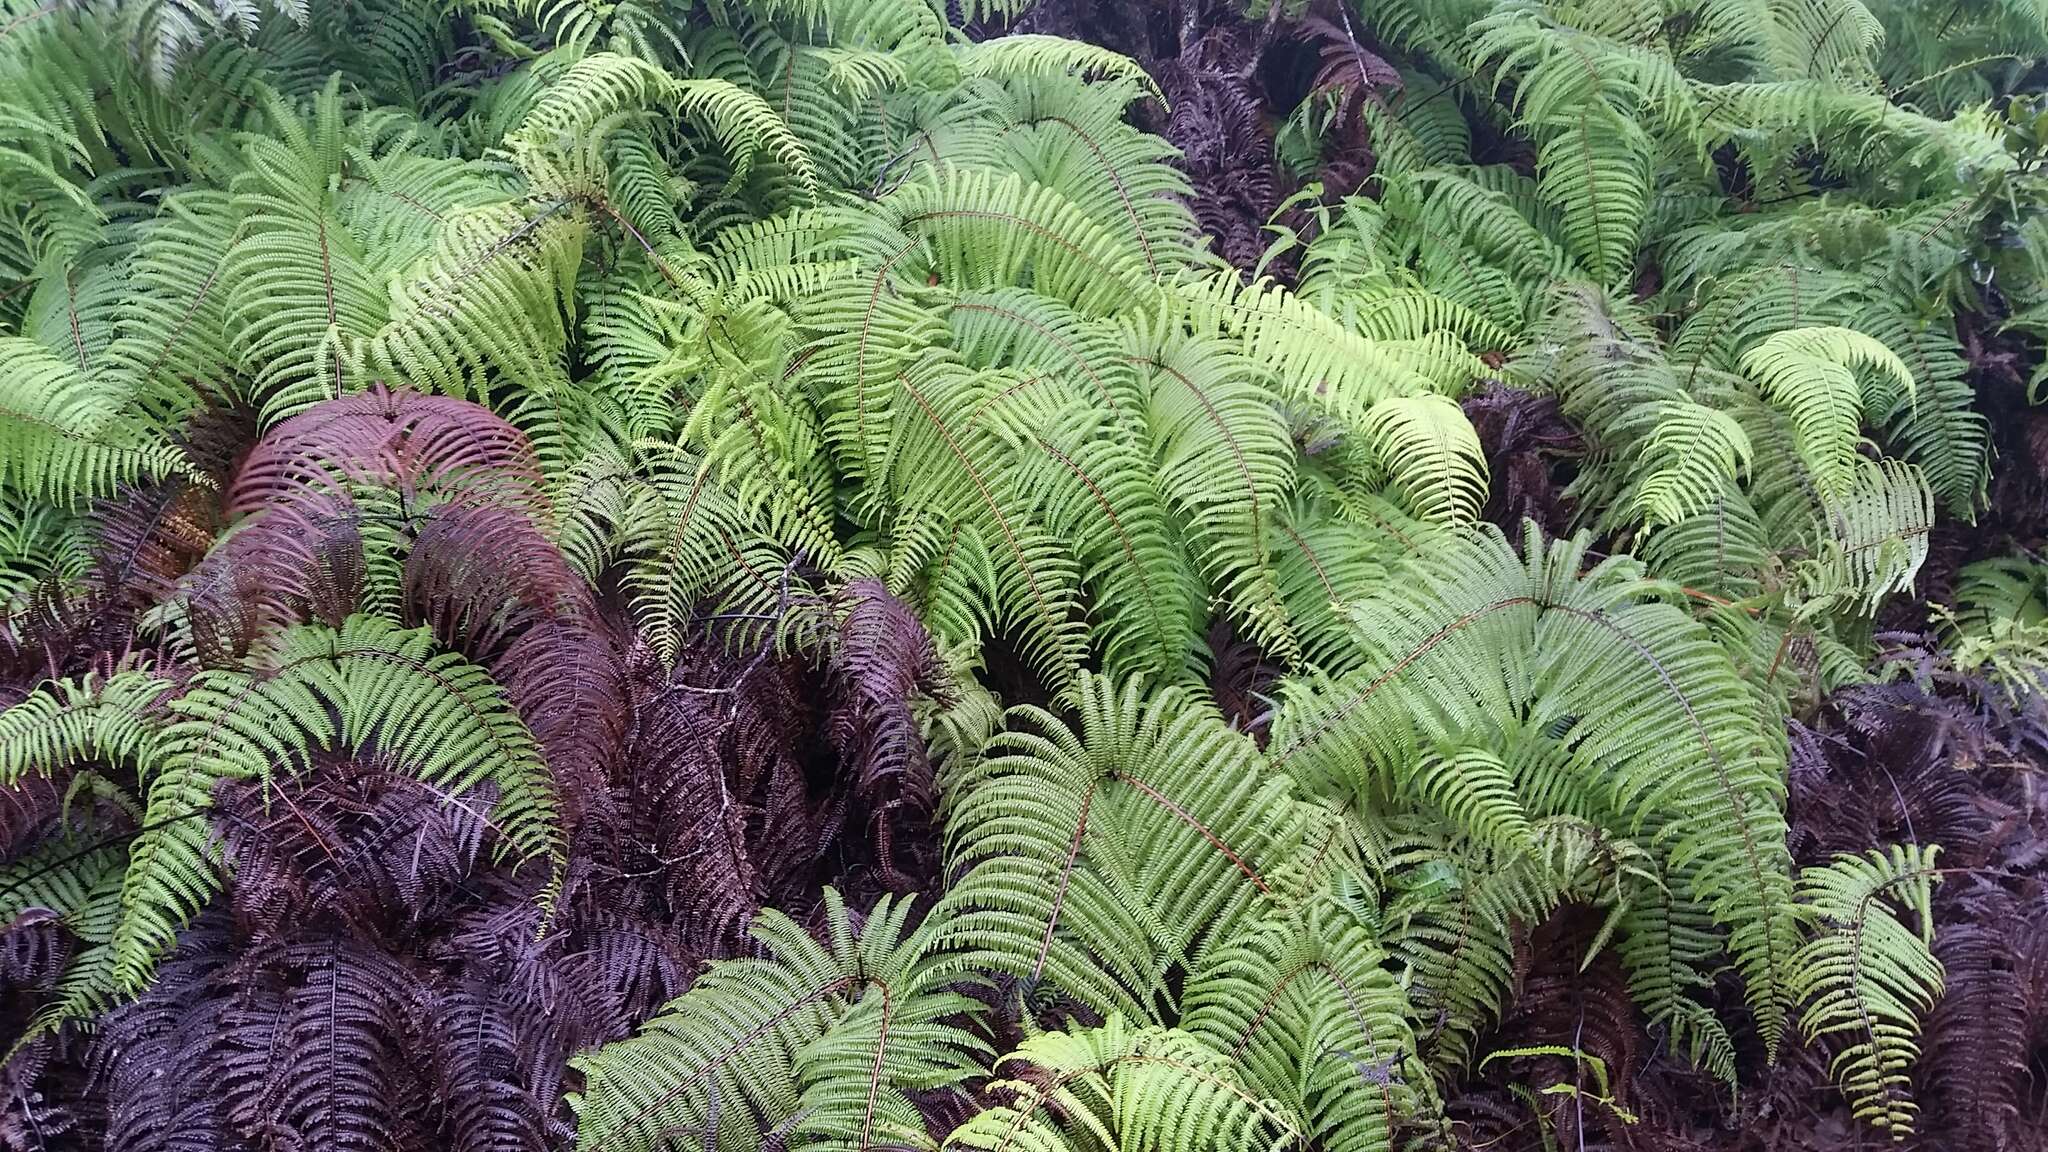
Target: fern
(1868,980)
(1811,373)
(1475,642)
(1094,860)
(64,437)
(366,686)
(769,457)
(1138,1088)
(818,1040)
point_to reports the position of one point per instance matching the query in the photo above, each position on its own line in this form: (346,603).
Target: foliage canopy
(780,573)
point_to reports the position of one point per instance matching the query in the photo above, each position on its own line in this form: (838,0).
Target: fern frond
(1811,373)
(1095,859)
(1873,539)
(1866,981)
(81,722)
(1470,639)
(1307,1008)
(65,437)
(1431,454)
(1125,1087)
(822,1039)
(1019,55)
(1694,451)
(368,686)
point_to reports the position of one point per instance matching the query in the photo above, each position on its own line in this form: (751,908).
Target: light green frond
(747,126)
(1595,169)
(982,230)
(64,434)
(1225,464)
(1431,455)
(1475,792)
(1096,859)
(1811,374)
(1308,1009)
(818,1039)
(1865,981)
(946,460)
(1119,1086)
(1469,639)
(299,284)
(1693,453)
(1873,539)
(488,298)
(1314,360)
(1011,56)
(582,91)
(93,721)
(1097,489)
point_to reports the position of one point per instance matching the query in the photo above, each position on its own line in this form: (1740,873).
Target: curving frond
(1474,641)
(368,687)
(65,436)
(821,1040)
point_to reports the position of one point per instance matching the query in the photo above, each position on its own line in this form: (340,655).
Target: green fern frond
(65,437)
(1865,981)
(1019,55)
(299,284)
(819,1039)
(1310,1012)
(1125,1087)
(1095,859)
(368,686)
(1431,455)
(109,721)
(488,297)
(1693,453)
(1873,539)
(1470,640)
(1224,465)
(1596,173)
(1811,373)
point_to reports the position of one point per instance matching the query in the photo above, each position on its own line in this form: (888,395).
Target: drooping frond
(1431,455)
(1811,373)
(1093,860)
(367,688)
(64,436)
(1475,641)
(1129,1087)
(1028,55)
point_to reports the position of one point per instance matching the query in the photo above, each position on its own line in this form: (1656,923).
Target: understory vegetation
(1155,575)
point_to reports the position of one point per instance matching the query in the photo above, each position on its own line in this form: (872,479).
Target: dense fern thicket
(1145,575)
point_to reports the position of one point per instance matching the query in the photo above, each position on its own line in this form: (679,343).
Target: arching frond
(1431,454)
(366,687)
(1028,55)
(1811,373)
(1095,859)
(819,1039)
(64,436)
(1474,641)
